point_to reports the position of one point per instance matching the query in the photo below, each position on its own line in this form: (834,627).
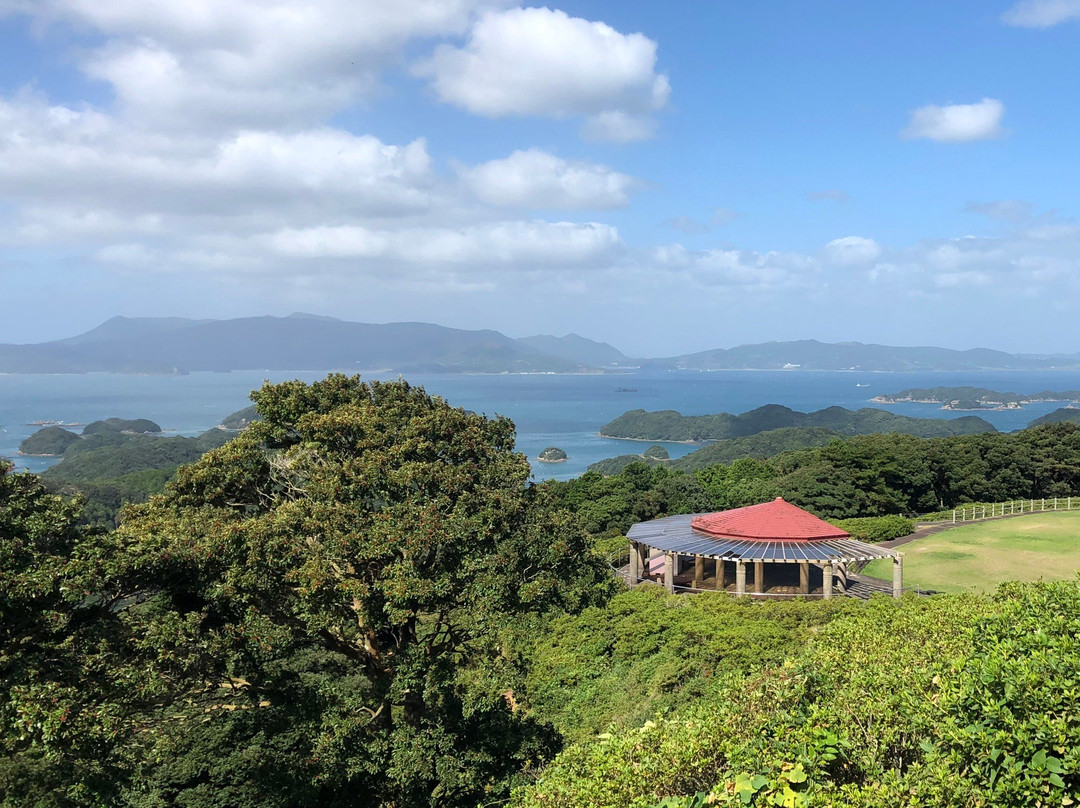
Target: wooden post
(699,571)
(759,577)
(644,552)
(898,575)
(740,577)
(804,577)
(635,564)
(954,516)
(826,588)
(669,571)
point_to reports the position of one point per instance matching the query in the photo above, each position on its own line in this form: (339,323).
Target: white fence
(975,513)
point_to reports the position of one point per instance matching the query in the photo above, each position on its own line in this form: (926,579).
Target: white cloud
(746,269)
(244,63)
(515,244)
(536,179)
(1042,13)
(543,62)
(81,156)
(957,123)
(852,251)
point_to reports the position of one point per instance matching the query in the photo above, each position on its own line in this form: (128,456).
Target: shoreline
(659,440)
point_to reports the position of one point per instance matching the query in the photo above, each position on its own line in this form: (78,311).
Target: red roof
(771,521)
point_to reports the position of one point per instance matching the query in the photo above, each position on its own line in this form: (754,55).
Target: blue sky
(667,177)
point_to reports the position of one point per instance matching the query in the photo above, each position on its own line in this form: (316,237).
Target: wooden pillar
(759,577)
(635,564)
(669,571)
(804,577)
(740,577)
(898,575)
(645,554)
(721,574)
(699,571)
(827,580)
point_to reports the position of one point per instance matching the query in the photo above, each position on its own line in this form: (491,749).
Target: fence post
(954,516)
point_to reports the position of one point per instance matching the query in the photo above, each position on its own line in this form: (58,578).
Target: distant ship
(625,389)
(53,423)
(863,385)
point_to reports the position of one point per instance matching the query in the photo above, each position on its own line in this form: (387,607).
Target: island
(52,441)
(959,399)
(672,426)
(553,454)
(1068,415)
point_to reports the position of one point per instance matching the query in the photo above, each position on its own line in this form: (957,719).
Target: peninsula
(669,425)
(975,398)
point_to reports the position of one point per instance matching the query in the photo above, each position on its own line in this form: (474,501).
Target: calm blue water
(556,410)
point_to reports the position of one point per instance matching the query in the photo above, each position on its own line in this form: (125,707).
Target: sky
(667,177)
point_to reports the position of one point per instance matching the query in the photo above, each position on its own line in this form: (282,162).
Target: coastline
(658,440)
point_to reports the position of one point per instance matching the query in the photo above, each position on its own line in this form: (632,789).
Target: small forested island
(553,454)
(653,456)
(669,425)
(974,398)
(115,462)
(52,441)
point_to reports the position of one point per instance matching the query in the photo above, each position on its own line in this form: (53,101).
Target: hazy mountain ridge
(298,342)
(312,342)
(815,355)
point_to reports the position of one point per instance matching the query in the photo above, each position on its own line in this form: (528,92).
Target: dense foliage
(950,701)
(112,468)
(1061,415)
(647,651)
(670,425)
(310,615)
(552,454)
(874,529)
(761,445)
(867,475)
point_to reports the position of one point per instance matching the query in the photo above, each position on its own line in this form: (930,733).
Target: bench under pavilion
(775,548)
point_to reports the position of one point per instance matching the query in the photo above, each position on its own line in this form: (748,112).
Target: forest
(362,600)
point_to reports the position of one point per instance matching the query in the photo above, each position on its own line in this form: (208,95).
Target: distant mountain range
(301,342)
(813,355)
(310,342)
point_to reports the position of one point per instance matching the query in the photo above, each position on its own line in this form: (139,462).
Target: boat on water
(625,389)
(50,422)
(860,384)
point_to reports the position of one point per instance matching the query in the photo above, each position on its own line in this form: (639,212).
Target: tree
(327,592)
(55,648)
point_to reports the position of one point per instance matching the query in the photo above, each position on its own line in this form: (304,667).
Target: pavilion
(804,555)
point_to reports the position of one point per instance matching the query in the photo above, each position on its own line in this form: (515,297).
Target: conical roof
(770,521)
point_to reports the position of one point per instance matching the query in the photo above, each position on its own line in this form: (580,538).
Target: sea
(561,410)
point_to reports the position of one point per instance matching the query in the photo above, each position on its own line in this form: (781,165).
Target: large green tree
(325,597)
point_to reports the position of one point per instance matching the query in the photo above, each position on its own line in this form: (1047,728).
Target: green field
(978,557)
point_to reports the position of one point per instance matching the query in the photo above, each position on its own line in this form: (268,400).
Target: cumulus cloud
(535,179)
(54,153)
(852,251)
(1042,13)
(237,63)
(542,62)
(957,123)
(515,244)
(745,269)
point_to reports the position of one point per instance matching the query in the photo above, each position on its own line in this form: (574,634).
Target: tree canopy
(311,614)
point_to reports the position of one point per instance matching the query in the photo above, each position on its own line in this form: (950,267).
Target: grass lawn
(978,557)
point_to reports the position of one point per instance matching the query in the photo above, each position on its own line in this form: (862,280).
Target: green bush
(874,529)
